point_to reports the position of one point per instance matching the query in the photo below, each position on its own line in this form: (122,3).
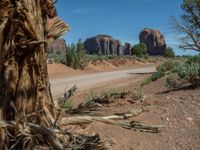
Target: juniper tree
(188,26)
(26,29)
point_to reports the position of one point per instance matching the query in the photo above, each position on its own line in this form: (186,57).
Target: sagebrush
(178,73)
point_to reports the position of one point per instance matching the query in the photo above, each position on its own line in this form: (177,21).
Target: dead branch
(78,141)
(84,108)
(112,120)
(55,27)
(69,93)
(89,119)
(30,128)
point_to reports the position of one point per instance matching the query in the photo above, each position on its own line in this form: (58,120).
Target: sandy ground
(92,80)
(57,71)
(178,111)
(62,77)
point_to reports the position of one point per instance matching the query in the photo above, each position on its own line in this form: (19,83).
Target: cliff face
(105,45)
(127,49)
(154,41)
(59,45)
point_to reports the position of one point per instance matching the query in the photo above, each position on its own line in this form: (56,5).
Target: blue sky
(122,19)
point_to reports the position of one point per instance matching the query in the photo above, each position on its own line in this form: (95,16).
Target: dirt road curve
(58,86)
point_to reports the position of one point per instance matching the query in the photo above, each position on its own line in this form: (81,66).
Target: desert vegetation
(187,26)
(76,56)
(169,53)
(139,50)
(31,118)
(178,72)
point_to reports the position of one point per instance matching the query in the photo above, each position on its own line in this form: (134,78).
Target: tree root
(31,136)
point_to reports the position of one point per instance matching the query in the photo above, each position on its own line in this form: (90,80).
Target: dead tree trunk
(26,29)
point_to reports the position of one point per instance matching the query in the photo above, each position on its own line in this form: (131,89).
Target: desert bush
(173,81)
(194,59)
(190,73)
(169,53)
(56,57)
(139,49)
(164,69)
(155,76)
(76,56)
(93,94)
(146,56)
(185,73)
(105,97)
(139,96)
(71,55)
(67,104)
(95,58)
(178,73)
(112,56)
(168,66)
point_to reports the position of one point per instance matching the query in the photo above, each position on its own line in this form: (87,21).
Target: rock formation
(59,46)
(105,45)
(127,49)
(154,41)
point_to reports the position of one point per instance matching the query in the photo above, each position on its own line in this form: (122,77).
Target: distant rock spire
(154,41)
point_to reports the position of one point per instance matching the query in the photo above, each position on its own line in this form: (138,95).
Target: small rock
(190,119)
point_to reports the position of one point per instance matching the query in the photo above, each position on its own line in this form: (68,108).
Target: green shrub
(94,58)
(139,49)
(56,57)
(50,61)
(76,56)
(190,73)
(173,81)
(169,53)
(155,76)
(106,97)
(164,69)
(67,104)
(194,59)
(71,56)
(178,73)
(112,56)
(169,65)
(185,73)
(139,96)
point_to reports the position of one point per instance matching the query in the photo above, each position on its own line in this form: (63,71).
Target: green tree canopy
(139,49)
(76,56)
(169,52)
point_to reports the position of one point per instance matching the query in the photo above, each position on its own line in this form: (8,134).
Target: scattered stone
(190,119)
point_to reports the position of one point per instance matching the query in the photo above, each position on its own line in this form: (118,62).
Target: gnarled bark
(26,27)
